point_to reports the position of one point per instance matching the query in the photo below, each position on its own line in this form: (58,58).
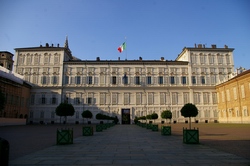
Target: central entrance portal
(126,116)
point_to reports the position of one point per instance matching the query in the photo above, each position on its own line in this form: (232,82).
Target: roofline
(131,62)
(204,49)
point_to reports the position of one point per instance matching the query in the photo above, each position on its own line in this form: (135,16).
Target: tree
(2,101)
(154,116)
(166,115)
(87,114)
(65,109)
(189,110)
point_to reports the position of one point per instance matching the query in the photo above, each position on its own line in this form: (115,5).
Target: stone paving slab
(129,145)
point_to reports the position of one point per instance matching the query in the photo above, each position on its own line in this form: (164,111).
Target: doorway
(125,116)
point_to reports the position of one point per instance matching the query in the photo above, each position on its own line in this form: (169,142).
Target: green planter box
(149,126)
(64,136)
(87,131)
(191,136)
(104,126)
(154,127)
(98,128)
(165,130)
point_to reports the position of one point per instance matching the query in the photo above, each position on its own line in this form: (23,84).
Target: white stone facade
(108,86)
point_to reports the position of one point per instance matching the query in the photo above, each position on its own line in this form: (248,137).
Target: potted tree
(149,125)
(190,136)
(166,130)
(154,126)
(99,128)
(64,136)
(87,130)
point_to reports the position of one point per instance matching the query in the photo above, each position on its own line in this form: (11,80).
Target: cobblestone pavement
(129,145)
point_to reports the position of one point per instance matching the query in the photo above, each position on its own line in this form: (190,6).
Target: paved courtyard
(129,145)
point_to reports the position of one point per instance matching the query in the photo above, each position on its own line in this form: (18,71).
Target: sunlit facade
(234,99)
(115,87)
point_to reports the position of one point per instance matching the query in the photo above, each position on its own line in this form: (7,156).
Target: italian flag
(122,47)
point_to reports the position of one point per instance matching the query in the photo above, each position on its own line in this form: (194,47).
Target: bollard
(4,152)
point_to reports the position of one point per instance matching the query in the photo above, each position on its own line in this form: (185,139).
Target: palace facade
(234,99)
(117,87)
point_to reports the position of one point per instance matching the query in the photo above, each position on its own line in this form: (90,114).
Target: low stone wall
(12,121)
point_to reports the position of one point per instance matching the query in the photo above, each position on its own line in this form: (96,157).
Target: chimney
(204,46)
(119,58)
(58,45)
(213,45)
(225,46)
(97,58)
(52,45)
(194,45)
(199,45)
(47,44)
(140,58)
(162,58)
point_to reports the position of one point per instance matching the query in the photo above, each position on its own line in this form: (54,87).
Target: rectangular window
(78,80)
(54,100)
(44,80)
(193,80)
(89,80)
(196,98)
(114,98)
(214,97)
(89,99)
(126,98)
(125,79)
(228,95)
(242,91)
(186,98)
(137,80)
(77,101)
(113,79)
(54,80)
(206,98)
(203,80)
(174,98)
(138,98)
(184,80)
(235,93)
(172,80)
(43,99)
(32,101)
(162,98)
(150,98)
(160,80)
(149,80)
(66,80)
(102,98)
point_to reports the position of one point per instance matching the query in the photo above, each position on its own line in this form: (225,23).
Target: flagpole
(126,47)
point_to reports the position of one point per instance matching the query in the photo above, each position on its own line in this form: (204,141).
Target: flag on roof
(122,47)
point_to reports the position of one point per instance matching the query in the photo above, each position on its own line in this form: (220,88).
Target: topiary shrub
(166,115)
(189,110)
(154,116)
(87,114)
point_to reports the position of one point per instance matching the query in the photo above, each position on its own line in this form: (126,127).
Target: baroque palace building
(118,87)
(234,98)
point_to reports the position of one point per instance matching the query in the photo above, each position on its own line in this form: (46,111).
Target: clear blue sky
(154,28)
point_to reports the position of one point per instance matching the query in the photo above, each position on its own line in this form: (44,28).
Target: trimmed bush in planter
(64,136)
(165,130)
(154,127)
(87,130)
(190,136)
(98,128)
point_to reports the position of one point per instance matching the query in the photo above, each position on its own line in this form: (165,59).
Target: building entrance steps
(129,145)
